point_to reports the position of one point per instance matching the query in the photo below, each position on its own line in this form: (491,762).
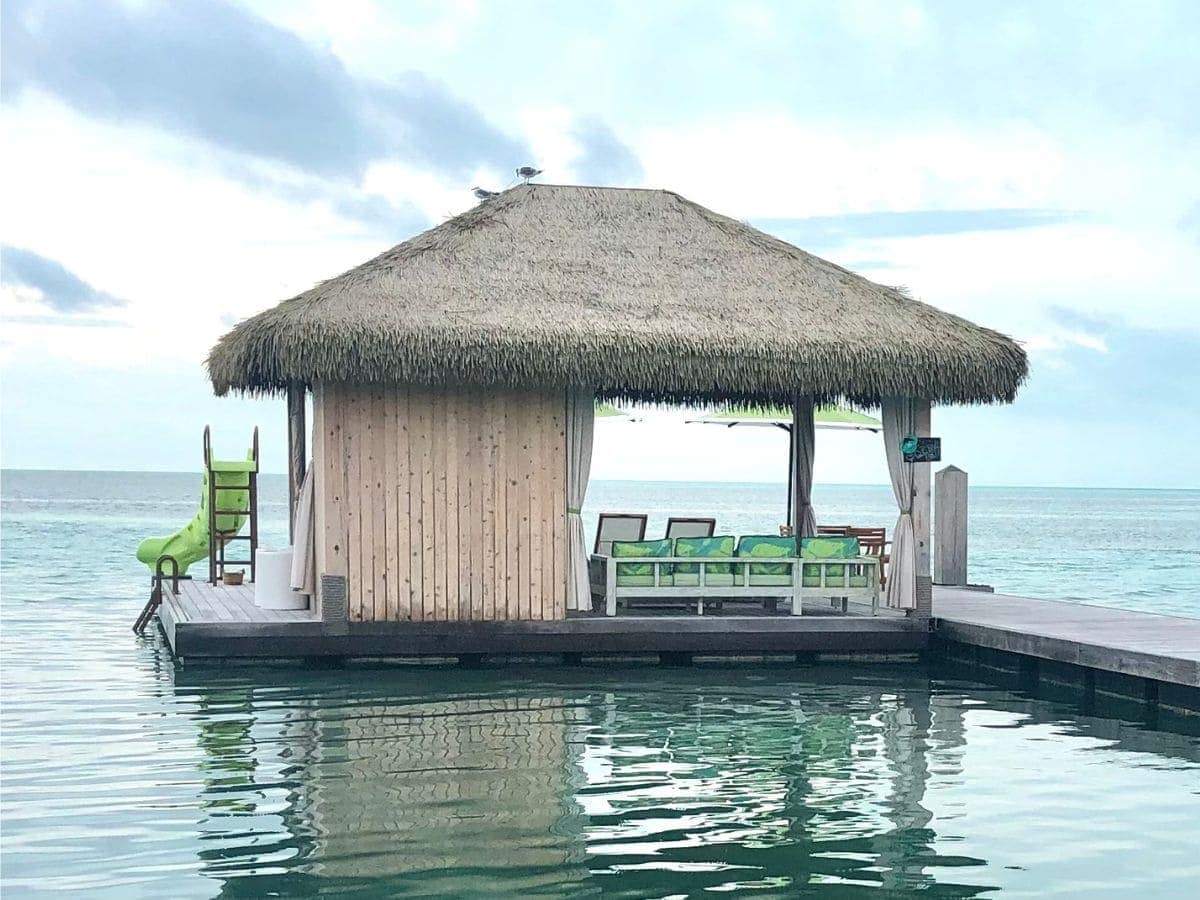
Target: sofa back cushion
(768,546)
(643,549)
(829,547)
(719,545)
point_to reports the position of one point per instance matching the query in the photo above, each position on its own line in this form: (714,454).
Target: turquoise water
(124,775)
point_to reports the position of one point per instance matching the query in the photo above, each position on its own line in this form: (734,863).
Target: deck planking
(1145,645)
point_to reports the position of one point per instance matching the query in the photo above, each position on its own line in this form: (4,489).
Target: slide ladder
(228,483)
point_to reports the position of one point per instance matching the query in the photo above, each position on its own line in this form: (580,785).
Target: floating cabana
(453,380)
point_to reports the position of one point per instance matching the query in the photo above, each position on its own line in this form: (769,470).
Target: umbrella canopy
(608,411)
(836,418)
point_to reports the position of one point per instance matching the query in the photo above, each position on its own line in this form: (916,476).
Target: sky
(169,169)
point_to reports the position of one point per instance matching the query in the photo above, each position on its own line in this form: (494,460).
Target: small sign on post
(921,449)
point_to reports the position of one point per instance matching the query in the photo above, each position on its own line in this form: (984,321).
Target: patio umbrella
(833,418)
(836,418)
(608,411)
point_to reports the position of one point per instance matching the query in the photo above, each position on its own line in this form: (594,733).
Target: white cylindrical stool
(273,581)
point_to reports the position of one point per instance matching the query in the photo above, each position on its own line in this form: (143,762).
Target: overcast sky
(171,168)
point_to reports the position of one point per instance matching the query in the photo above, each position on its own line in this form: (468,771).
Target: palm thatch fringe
(647,296)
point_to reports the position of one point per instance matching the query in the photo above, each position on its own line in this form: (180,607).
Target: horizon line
(1063,487)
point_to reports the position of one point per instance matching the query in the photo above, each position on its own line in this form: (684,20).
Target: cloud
(61,289)
(827,230)
(1109,368)
(219,73)
(603,159)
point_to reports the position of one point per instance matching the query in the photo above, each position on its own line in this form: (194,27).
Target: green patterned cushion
(827,547)
(767,546)
(641,574)
(719,545)
(811,577)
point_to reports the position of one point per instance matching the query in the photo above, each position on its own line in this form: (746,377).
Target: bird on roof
(527,172)
(484,193)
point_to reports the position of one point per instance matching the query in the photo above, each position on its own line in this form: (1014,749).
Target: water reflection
(492,786)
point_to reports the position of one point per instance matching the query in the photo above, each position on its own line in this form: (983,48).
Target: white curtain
(804,444)
(899,422)
(581,414)
(304,576)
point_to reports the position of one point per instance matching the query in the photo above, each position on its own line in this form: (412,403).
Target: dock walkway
(210,621)
(1143,645)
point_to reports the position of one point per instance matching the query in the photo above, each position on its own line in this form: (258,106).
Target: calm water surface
(126,776)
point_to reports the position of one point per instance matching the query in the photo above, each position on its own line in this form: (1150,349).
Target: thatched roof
(641,293)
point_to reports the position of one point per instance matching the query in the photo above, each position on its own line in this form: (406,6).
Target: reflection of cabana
(453,380)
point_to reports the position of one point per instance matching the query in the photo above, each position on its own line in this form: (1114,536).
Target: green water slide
(190,543)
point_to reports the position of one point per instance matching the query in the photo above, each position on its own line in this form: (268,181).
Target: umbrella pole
(791,471)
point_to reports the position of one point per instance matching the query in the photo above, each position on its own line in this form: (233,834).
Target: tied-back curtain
(581,414)
(304,575)
(899,422)
(803,449)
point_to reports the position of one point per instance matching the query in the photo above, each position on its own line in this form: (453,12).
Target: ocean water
(123,774)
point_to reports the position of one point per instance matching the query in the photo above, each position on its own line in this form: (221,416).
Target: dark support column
(1087,703)
(921,514)
(297,449)
(1029,674)
(1150,716)
(802,427)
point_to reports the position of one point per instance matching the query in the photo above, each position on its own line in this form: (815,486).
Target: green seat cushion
(827,547)
(768,546)
(718,546)
(769,580)
(811,577)
(642,571)
(644,580)
(711,579)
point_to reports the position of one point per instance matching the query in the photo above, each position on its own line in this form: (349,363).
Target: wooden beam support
(922,420)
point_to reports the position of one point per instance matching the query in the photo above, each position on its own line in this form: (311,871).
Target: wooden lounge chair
(874,542)
(684,526)
(618,527)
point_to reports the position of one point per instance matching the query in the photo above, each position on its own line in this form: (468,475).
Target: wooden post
(950,526)
(297,451)
(921,514)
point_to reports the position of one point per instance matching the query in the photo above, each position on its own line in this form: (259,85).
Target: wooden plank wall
(442,505)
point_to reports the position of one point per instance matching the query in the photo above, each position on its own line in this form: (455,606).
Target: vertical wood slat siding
(442,505)
(351,438)
(402,488)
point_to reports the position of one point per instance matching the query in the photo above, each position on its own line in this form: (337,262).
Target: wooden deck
(1143,645)
(209,621)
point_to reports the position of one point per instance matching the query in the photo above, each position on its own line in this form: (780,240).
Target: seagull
(527,172)
(484,193)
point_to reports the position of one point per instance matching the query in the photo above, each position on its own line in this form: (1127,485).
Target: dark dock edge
(1037,647)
